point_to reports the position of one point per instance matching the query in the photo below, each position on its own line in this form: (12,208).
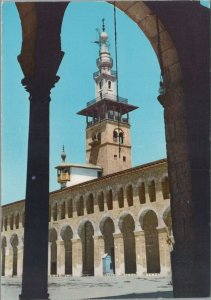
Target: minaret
(63,171)
(107,117)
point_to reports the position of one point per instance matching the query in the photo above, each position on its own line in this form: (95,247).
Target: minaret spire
(63,154)
(103,24)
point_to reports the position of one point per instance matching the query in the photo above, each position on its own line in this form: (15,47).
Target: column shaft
(77,257)
(98,253)
(165,262)
(20,260)
(119,253)
(60,258)
(140,253)
(35,261)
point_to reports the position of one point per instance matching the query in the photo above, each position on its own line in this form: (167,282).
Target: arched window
(118,136)
(63,208)
(101,201)
(100,84)
(120,197)
(129,193)
(109,200)
(141,193)
(121,139)
(70,208)
(115,136)
(90,204)
(17,221)
(5,224)
(11,222)
(99,136)
(109,84)
(80,206)
(152,191)
(55,211)
(165,188)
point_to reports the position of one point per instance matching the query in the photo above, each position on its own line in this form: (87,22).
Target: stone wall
(126,214)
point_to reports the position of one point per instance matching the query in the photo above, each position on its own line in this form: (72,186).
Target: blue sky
(139,76)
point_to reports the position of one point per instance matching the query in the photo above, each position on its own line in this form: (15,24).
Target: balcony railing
(95,74)
(107,97)
(109,117)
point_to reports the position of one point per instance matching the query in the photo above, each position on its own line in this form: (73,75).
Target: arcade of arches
(114,215)
(186,113)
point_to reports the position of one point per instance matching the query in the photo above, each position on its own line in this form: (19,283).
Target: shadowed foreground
(124,287)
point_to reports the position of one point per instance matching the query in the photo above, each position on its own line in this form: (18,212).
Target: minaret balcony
(110,117)
(107,97)
(98,73)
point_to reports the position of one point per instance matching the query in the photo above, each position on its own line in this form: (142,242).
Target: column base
(41,297)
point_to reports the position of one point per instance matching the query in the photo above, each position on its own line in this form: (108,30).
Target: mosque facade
(107,217)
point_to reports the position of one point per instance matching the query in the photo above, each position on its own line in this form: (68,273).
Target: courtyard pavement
(107,287)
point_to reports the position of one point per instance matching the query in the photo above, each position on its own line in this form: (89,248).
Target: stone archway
(86,233)
(187,124)
(150,223)
(127,227)
(67,235)
(53,252)
(14,243)
(107,228)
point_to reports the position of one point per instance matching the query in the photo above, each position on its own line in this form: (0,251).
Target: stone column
(165,262)
(40,59)
(60,257)
(8,260)
(77,257)
(183,257)
(20,260)
(141,261)
(98,253)
(119,253)
(49,258)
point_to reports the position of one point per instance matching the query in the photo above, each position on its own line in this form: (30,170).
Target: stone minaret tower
(107,117)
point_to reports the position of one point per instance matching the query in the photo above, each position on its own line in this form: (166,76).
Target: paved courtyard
(107,287)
